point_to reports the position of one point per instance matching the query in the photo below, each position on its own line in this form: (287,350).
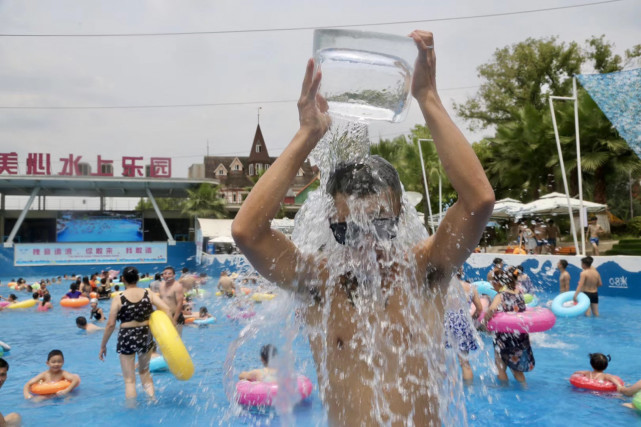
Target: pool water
(548,399)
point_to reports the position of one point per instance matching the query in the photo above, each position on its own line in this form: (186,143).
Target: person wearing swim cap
(96,312)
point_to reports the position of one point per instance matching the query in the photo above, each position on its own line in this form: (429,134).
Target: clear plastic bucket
(366,75)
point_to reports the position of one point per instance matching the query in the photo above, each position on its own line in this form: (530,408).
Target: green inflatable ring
(636,401)
(528,298)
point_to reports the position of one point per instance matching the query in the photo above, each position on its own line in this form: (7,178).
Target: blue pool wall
(180,255)
(621,275)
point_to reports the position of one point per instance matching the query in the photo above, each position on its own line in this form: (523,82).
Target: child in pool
(45,304)
(265,374)
(629,391)
(599,363)
(73,293)
(55,361)
(203,313)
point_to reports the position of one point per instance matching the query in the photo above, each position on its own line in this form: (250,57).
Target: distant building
(238,174)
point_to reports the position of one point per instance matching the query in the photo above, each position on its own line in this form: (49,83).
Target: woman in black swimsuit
(133,308)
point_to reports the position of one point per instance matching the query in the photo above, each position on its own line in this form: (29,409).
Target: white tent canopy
(222,239)
(557,203)
(507,208)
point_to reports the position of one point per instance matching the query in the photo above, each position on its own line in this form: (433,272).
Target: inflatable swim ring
(12,284)
(171,346)
(636,401)
(259,297)
(115,294)
(531,300)
(4,303)
(560,308)
(246,291)
(50,388)
(145,279)
(537,319)
(485,288)
(220,293)
(195,293)
(74,302)
(23,304)
(35,286)
(241,315)
(158,364)
(581,381)
(207,321)
(258,393)
(93,295)
(189,320)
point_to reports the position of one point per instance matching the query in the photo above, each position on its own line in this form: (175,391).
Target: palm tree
(205,202)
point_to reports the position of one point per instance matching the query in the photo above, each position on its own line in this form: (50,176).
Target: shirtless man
(226,284)
(589,284)
(173,294)
(593,232)
(564,278)
(541,236)
(372,355)
(553,235)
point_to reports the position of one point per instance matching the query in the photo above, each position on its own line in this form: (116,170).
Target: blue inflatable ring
(485,288)
(572,311)
(534,302)
(207,321)
(158,364)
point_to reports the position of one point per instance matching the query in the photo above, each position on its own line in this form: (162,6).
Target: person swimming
(96,312)
(81,322)
(266,373)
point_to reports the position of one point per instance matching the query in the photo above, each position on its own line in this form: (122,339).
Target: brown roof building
(237,174)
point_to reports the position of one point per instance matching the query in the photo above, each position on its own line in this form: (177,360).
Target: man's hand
(424,80)
(312,108)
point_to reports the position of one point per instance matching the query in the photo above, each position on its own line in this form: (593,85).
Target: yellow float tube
(171,346)
(23,304)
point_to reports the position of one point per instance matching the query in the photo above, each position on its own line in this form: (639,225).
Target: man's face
(3,376)
(372,218)
(168,275)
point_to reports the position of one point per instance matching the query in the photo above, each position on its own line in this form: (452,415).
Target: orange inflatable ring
(50,388)
(74,302)
(189,320)
(12,284)
(246,291)
(93,295)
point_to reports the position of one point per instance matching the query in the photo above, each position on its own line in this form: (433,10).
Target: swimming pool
(548,399)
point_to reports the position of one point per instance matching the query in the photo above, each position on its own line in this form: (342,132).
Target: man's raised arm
(463,225)
(269,251)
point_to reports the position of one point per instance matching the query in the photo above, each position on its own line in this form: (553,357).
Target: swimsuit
(459,330)
(514,348)
(95,314)
(594,297)
(137,339)
(594,240)
(552,241)
(180,320)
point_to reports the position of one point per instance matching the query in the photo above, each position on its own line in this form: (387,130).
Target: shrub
(634,226)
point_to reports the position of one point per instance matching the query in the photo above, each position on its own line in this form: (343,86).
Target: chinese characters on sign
(40,164)
(90,253)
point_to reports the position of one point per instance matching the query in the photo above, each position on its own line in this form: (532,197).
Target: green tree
(164,204)
(205,202)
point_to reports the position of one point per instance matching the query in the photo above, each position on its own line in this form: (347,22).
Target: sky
(236,67)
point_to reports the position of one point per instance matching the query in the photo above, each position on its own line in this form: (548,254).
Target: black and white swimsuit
(137,339)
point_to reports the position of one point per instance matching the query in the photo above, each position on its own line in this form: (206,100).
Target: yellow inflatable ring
(171,346)
(115,294)
(23,304)
(220,293)
(263,297)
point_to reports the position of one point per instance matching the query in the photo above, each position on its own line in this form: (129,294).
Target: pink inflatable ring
(533,319)
(258,393)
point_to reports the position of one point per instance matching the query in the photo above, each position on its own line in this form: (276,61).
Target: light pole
(427,191)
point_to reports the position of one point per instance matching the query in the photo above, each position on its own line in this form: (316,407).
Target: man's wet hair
(497,261)
(53,353)
(587,261)
(130,275)
(564,263)
(81,321)
(4,364)
(169,267)
(372,175)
